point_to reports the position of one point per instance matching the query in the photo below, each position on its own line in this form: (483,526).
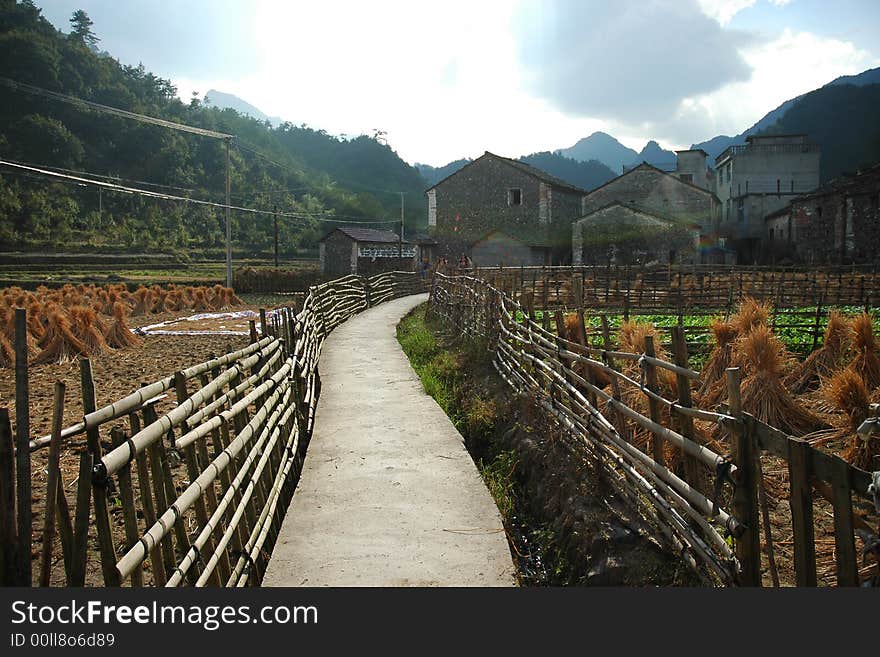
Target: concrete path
(388,495)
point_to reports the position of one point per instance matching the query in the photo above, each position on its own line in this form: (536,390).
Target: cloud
(792,64)
(627,61)
(724,10)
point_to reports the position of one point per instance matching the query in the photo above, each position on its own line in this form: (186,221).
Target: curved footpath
(388,495)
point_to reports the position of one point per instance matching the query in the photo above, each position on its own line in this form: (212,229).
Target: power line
(184,199)
(88,104)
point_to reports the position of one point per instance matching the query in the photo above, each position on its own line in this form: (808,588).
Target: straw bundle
(143,302)
(762,356)
(572,334)
(200,301)
(866,363)
(846,392)
(119,335)
(33,346)
(823,362)
(750,314)
(84,328)
(62,345)
(7,353)
(713,387)
(161,302)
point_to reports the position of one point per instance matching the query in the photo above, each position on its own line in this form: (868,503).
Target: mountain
(433,175)
(717,145)
(843,120)
(586,175)
(602,147)
(222,100)
(654,154)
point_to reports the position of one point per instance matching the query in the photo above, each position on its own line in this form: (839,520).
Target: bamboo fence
(702,495)
(240,427)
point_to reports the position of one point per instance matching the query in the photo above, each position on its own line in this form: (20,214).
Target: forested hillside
(844,120)
(297,169)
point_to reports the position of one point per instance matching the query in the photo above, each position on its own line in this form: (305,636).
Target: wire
(169,197)
(109,177)
(81,102)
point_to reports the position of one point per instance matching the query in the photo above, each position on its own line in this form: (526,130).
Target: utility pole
(400,239)
(275,216)
(228,222)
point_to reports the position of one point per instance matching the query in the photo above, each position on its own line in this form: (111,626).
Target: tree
(81,29)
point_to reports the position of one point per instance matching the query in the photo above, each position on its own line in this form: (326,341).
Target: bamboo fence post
(545,301)
(81,521)
(801,501)
(615,384)
(129,513)
(818,321)
(157,474)
(52,485)
(65,527)
(685,422)
(844,543)
(99,493)
(23,452)
(264,326)
(8,527)
(157,566)
(653,405)
(765,517)
(252,331)
(745,502)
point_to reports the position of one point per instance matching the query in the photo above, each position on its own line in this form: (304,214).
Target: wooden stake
(23,452)
(745,502)
(129,514)
(844,543)
(102,505)
(81,522)
(801,501)
(653,405)
(52,485)
(8,527)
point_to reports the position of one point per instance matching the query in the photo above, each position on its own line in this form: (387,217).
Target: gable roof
(646,165)
(366,235)
(636,209)
(522,166)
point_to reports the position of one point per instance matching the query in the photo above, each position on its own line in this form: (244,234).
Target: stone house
(840,221)
(755,179)
(622,234)
(665,196)
(497,210)
(345,250)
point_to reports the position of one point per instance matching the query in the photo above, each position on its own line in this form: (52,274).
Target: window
(771,234)
(686,177)
(792,184)
(514,196)
(778,186)
(747,186)
(432,207)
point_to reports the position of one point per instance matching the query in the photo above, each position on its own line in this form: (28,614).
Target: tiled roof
(367,235)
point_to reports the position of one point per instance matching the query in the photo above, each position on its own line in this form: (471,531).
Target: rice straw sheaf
(119,335)
(712,389)
(632,340)
(33,345)
(750,314)
(866,363)
(200,301)
(823,362)
(84,328)
(160,305)
(234,298)
(144,301)
(7,353)
(846,392)
(572,334)
(762,357)
(62,345)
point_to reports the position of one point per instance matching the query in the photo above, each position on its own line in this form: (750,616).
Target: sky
(452,79)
